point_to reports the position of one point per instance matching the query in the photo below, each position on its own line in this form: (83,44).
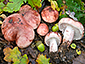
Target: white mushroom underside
(51,36)
(53,39)
(77,31)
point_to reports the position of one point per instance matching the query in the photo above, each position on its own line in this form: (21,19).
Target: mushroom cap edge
(64,22)
(51,35)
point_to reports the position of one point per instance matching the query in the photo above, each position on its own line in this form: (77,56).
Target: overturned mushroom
(42,29)
(53,39)
(49,15)
(31,16)
(72,30)
(15,28)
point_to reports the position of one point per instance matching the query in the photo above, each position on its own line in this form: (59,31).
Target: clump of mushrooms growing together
(53,39)
(49,15)
(42,29)
(20,26)
(72,30)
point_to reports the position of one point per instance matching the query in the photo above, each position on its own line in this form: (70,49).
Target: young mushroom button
(49,15)
(53,39)
(42,29)
(72,30)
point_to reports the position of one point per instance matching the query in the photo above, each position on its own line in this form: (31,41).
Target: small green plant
(41,59)
(55,28)
(76,6)
(15,56)
(40,46)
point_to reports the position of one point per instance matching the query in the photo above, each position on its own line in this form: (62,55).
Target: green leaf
(80,3)
(35,3)
(63,16)
(7,52)
(16,62)
(42,59)
(59,3)
(76,6)
(54,5)
(82,20)
(78,15)
(11,54)
(24,60)
(1,7)
(15,56)
(13,5)
(1,0)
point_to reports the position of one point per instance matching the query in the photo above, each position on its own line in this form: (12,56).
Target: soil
(68,56)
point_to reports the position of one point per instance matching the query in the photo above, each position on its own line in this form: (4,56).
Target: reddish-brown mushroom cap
(16,29)
(42,29)
(25,36)
(72,30)
(10,24)
(31,16)
(24,9)
(53,39)
(49,15)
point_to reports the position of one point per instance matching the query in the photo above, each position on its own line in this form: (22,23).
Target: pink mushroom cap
(25,8)
(42,29)
(31,16)
(49,15)
(15,28)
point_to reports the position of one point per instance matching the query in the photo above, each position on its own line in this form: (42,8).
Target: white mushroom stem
(68,35)
(53,45)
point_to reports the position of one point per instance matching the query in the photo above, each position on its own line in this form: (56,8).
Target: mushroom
(42,29)
(25,36)
(49,15)
(53,39)
(15,28)
(72,30)
(31,16)
(24,9)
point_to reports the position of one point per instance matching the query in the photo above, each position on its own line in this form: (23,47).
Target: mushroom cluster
(20,26)
(71,29)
